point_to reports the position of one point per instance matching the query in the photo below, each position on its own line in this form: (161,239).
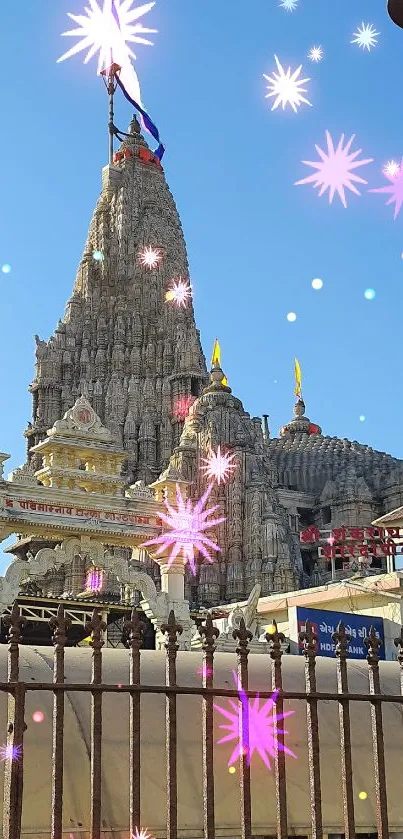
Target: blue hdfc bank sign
(324,625)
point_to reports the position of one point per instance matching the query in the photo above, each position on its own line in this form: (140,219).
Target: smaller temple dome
(300,424)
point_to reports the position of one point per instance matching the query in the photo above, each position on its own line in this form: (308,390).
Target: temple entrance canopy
(79,529)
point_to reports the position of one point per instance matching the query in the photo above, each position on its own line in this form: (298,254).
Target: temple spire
(300,424)
(218,379)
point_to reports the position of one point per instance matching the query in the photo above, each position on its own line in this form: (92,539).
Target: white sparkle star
(187,525)
(365,37)
(100,31)
(150,257)
(391,168)
(289,5)
(315,54)
(286,87)
(335,169)
(218,465)
(179,293)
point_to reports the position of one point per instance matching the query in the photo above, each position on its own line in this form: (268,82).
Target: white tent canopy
(36,665)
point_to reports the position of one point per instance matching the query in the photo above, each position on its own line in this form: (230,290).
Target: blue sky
(255,241)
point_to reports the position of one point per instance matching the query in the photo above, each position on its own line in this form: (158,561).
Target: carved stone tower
(135,356)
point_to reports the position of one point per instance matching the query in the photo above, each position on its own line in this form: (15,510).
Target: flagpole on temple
(109,77)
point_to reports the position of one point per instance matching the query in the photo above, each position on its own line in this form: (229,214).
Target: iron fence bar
(96,626)
(59,626)
(14,762)
(243,636)
(80,687)
(209,633)
(341,640)
(398,642)
(275,639)
(171,630)
(136,629)
(373,643)
(309,641)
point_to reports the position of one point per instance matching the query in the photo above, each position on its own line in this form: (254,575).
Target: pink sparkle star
(150,257)
(395,190)
(218,465)
(9,752)
(261,735)
(179,293)
(187,525)
(204,671)
(182,406)
(335,169)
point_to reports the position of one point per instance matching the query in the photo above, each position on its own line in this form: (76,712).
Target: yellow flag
(85,642)
(224,381)
(298,378)
(216,357)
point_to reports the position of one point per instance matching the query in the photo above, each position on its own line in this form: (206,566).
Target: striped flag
(133,96)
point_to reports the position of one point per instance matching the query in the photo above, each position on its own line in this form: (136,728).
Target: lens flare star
(286,86)
(179,293)
(315,54)
(181,407)
(335,169)
(365,37)
(101,31)
(395,190)
(141,834)
(9,752)
(218,465)
(262,733)
(391,169)
(288,5)
(150,257)
(187,525)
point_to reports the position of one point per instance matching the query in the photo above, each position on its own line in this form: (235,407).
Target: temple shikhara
(127,417)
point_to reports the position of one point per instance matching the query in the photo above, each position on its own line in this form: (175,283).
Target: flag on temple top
(224,381)
(216,357)
(129,85)
(298,378)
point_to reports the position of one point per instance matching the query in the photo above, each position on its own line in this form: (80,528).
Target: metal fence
(60,625)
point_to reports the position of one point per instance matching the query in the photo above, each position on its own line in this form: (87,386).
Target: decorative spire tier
(300,424)
(121,344)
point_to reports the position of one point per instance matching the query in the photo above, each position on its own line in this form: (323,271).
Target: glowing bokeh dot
(362,418)
(317,284)
(6,268)
(291,317)
(98,256)
(362,795)
(38,716)
(232,770)
(369,293)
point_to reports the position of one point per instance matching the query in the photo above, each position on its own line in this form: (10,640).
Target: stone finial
(134,127)
(300,424)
